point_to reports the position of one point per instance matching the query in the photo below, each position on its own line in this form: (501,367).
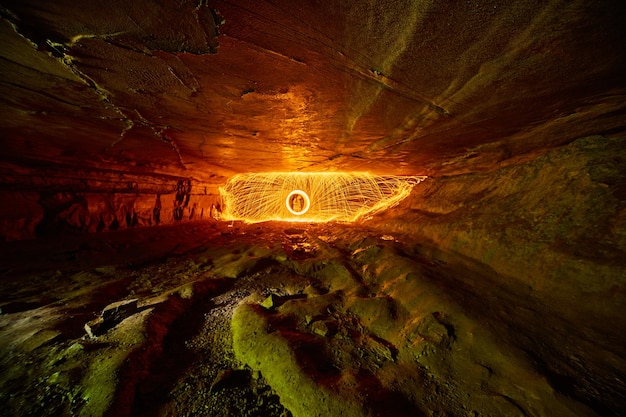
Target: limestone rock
(111,315)
(434,331)
(269,302)
(92,327)
(119,310)
(320,328)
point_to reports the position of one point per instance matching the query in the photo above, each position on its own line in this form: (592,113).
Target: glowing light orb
(311,196)
(298,202)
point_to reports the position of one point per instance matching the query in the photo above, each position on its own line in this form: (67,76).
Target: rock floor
(277,320)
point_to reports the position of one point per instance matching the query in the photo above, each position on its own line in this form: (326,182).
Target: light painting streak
(315,197)
(300,198)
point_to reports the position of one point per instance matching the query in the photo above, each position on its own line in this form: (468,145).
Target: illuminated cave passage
(313,197)
(445,232)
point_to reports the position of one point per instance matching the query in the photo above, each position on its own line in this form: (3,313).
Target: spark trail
(312,197)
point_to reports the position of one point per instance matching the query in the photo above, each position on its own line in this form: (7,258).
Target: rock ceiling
(210,88)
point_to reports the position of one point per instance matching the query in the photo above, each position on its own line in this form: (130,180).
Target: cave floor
(222,319)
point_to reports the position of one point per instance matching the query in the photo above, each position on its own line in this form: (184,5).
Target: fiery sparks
(311,197)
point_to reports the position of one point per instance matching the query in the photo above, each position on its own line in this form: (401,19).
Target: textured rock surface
(496,288)
(367,324)
(136,97)
(555,222)
(221,87)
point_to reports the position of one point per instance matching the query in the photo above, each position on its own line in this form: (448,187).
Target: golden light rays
(311,197)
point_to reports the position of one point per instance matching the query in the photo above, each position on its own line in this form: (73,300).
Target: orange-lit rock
(495,288)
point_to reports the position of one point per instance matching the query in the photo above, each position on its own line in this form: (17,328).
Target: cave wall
(400,87)
(555,224)
(28,214)
(552,227)
(106,108)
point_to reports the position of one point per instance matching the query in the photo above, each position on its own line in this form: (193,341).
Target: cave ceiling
(209,88)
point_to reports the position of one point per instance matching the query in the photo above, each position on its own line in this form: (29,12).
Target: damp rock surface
(370,324)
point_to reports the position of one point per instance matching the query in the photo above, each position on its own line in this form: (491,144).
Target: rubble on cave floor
(269,321)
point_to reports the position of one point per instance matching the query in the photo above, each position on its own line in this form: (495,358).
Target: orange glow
(313,197)
(298,202)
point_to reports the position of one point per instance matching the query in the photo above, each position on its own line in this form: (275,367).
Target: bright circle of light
(307,202)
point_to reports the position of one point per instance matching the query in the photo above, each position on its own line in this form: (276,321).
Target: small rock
(434,331)
(320,328)
(268,303)
(118,311)
(382,353)
(111,315)
(92,327)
